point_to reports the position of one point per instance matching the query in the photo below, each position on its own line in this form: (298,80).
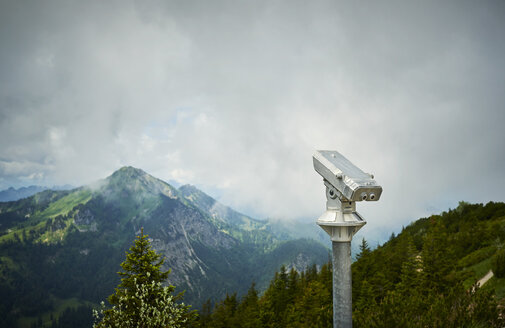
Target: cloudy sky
(235,96)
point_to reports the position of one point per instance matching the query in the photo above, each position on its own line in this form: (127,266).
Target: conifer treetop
(142,263)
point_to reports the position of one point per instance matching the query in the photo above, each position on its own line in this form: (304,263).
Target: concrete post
(342,285)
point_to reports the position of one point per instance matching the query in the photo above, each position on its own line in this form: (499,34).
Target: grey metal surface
(343,165)
(348,179)
(345,184)
(342,285)
(340,221)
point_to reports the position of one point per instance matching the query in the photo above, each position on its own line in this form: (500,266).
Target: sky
(235,97)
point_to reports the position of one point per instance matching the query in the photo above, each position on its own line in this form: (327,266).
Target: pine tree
(410,274)
(436,258)
(225,313)
(141,299)
(292,285)
(249,309)
(498,264)
(205,313)
(364,249)
(142,265)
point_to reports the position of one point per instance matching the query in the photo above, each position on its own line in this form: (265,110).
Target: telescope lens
(372,196)
(363,196)
(332,193)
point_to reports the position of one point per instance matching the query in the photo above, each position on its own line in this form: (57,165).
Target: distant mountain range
(12,194)
(63,248)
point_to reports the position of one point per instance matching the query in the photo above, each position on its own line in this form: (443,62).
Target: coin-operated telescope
(345,185)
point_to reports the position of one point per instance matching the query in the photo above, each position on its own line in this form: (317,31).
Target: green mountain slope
(63,247)
(424,277)
(431,268)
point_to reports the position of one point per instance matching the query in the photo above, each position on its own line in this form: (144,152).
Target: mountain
(23,192)
(62,248)
(12,194)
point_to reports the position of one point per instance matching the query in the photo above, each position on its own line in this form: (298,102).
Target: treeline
(292,300)
(421,278)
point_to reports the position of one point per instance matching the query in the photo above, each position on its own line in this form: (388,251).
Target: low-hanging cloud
(234,97)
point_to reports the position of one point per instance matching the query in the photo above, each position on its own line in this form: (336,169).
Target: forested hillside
(424,277)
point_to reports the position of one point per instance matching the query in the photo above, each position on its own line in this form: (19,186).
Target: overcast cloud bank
(235,96)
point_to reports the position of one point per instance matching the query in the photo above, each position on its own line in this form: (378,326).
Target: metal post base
(342,285)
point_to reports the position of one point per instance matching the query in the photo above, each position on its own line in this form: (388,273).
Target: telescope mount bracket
(340,221)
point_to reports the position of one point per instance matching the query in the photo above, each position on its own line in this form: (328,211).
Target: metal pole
(342,285)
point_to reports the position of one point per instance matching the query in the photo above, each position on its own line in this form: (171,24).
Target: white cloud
(235,97)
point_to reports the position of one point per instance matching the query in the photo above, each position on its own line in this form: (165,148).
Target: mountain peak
(188,189)
(129,171)
(129,178)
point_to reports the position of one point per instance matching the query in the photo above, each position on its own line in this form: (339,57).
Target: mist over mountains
(67,245)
